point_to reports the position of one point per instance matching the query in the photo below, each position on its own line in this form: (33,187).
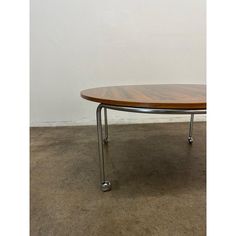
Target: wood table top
(163,96)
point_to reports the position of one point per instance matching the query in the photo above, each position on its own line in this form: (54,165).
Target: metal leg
(190,138)
(105,185)
(106,126)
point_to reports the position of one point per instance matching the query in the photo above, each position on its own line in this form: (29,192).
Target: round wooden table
(152,98)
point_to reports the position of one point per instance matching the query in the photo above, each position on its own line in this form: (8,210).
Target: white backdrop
(78,44)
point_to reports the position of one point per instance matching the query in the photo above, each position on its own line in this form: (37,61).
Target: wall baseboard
(133,120)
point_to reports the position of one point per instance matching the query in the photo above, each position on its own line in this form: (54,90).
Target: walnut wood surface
(164,96)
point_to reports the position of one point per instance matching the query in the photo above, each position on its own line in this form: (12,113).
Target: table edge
(194,106)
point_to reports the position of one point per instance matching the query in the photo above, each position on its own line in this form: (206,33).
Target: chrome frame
(105,184)
(190,138)
(105,126)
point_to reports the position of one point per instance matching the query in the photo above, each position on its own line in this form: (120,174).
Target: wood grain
(164,96)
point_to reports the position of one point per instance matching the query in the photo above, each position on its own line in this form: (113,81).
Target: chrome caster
(105,140)
(190,140)
(106,186)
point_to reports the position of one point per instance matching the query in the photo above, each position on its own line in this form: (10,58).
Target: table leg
(190,138)
(105,185)
(106,126)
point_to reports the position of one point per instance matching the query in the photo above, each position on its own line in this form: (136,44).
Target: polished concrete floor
(158,181)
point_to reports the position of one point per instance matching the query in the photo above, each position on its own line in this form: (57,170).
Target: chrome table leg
(190,138)
(106,126)
(105,185)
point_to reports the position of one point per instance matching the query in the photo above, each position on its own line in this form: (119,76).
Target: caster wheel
(106,186)
(190,140)
(105,140)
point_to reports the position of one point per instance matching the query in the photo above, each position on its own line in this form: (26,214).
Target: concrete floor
(158,181)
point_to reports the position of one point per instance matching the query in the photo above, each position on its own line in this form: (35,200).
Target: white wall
(78,44)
